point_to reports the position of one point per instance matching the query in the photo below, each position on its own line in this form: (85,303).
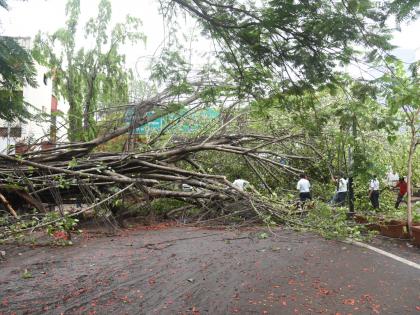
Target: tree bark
(88,107)
(4,201)
(411,152)
(412,121)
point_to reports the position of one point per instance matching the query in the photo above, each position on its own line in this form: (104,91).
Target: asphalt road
(196,271)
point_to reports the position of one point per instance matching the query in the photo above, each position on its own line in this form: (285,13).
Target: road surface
(178,270)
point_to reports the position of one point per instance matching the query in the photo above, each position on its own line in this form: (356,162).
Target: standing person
(341,195)
(374,192)
(304,186)
(402,185)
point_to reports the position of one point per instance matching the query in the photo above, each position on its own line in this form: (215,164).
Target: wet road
(196,271)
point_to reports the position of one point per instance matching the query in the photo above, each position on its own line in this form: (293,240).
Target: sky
(28,17)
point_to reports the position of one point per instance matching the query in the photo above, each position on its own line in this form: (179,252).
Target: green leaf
(263,235)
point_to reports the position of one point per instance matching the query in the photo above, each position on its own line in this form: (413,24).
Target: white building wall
(40,98)
(35,129)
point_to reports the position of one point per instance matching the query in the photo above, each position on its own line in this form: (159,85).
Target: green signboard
(190,123)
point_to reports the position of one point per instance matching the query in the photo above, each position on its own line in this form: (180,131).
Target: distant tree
(16,70)
(88,77)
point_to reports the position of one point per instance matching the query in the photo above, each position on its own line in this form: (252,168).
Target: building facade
(18,137)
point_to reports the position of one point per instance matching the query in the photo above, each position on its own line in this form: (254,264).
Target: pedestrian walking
(402,185)
(374,192)
(304,186)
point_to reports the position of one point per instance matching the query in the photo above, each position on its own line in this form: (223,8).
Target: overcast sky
(27,18)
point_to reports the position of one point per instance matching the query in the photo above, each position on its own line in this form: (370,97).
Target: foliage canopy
(16,70)
(294,45)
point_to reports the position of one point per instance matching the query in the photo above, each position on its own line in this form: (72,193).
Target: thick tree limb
(4,201)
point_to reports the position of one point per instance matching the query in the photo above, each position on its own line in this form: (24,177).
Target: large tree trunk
(74,114)
(409,175)
(88,110)
(413,122)
(74,121)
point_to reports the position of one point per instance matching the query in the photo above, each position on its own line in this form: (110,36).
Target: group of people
(340,196)
(374,191)
(303,186)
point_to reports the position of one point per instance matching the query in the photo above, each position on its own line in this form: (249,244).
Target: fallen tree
(152,174)
(78,174)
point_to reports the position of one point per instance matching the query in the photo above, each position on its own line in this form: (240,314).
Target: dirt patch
(174,270)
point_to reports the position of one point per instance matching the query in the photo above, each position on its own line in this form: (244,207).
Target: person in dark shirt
(402,185)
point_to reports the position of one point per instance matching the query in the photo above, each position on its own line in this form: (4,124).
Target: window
(15,132)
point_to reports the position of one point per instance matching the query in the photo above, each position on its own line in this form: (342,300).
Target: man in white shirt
(341,195)
(304,186)
(374,192)
(241,184)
